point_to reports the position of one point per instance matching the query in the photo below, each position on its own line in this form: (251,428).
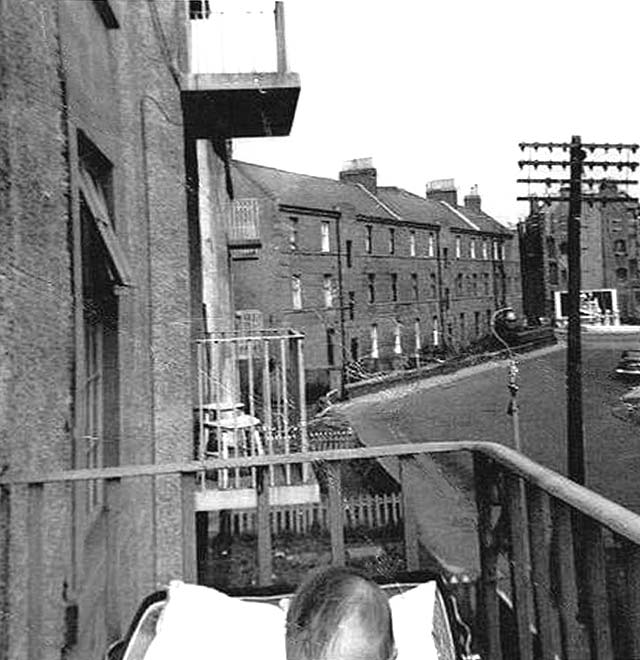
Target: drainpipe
(343,339)
(443,340)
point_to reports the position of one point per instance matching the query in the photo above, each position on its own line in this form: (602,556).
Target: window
(551,247)
(368,239)
(397,339)
(416,334)
(431,248)
(374,341)
(392,240)
(485,249)
(354,348)
(633,268)
(435,333)
(445,256)
(371,288)
(459,284)
(488,319)
(621,274)
(199,9)
(412,243)
(414,285)
(394,287)
(103,267)
(349,250)
(485,277)
(476,323)
(620,246)
(352,305)
(293,233)
(472,248)
(328,291)
(458,247)
(553,272)
(433,286)
(296,292)
(324,236)
(474,284)
(463,330)
(331,358)
(496,254)
(447,298)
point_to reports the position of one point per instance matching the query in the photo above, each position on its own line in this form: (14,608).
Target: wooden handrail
(609,514)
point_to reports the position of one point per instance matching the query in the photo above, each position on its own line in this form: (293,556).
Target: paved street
(472,405)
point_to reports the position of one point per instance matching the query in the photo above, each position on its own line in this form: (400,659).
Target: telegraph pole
(576,164)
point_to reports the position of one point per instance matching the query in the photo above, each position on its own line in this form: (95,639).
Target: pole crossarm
(589,199)
(589,182)
(617,164)
(589,146)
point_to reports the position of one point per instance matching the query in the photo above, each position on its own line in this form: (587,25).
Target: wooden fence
(366,511)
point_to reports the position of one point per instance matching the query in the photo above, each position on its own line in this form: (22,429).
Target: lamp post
(512,385)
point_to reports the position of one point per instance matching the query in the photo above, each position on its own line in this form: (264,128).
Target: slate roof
(304,190)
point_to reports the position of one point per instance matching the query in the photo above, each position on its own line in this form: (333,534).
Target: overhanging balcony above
(238,84)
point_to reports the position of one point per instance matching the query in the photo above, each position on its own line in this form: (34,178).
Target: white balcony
(238,84)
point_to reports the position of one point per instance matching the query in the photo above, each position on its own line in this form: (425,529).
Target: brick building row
(376,277)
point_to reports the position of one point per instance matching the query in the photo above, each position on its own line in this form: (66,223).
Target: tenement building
(114,136)
(376,278)
(610,280)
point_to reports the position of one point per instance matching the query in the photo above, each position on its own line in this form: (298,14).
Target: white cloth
(199,623)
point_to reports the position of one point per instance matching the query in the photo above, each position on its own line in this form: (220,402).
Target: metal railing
(243,223)
(559,572)
(230,37)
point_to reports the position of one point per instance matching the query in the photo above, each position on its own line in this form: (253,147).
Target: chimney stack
(443,190)
(472,200)
(360,170)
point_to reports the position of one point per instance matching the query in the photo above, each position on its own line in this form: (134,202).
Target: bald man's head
(339,614)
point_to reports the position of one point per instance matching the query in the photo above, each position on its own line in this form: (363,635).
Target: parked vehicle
(629,363)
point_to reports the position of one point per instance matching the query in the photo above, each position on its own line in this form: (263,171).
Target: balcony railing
(243,224)
(237,37)
(558,573)
(238,83)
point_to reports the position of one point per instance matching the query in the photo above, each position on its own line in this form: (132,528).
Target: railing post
(633,600)
(189,552)
(264,528)
(281,44)
(489,606)
(566,570)
(336,513)
(112,500)
(520,576)
(411,548)
(35,581)
(5,522)
(540,537)
(598,601)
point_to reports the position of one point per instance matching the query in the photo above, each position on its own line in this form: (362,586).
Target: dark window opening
(349,254)
(354,348)
(330,346)
(352,305)
(394,287)
(371,287)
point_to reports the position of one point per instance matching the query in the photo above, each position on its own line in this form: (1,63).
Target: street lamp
(513,410)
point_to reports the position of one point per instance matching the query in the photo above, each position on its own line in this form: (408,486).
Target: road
(472,405)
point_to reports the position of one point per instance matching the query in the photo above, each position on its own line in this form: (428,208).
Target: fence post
(598,602)
(568,606)
(336,513)
(189,552)
(411,549)
(264,528)
(489,605)
(540,536)
(520,575)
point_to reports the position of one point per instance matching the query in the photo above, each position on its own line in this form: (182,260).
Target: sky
(448,90)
